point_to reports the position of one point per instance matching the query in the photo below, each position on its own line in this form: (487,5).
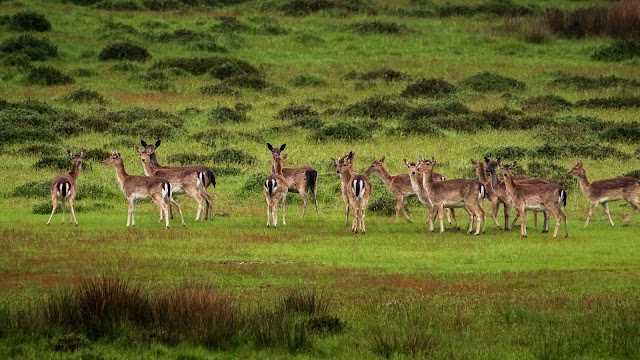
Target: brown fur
(71,178)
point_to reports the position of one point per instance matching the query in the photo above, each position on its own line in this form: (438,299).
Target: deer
(302,180)
(499,188)
(399,185)
(356,188)
(206,175)
(491,195)
(64,187)
(458,193)
(607,190)
(137,187)
(551,198)
(276,187)
(183,180)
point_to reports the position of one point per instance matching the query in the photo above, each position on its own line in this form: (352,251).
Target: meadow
(545,83)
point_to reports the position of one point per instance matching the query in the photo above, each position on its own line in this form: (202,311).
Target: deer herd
(440,195)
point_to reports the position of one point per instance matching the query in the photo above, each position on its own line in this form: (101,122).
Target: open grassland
(545,83)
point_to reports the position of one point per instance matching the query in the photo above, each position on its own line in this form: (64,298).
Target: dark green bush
(246,81)
(618,51)
(492,7)
(308,80)
(136,121)
(52,162)
(633,173)
(341,131)
(551,172)
(488,82)
(546,103)
(582,82)
(162,5)
(383,203)
(296,111)
(589,150)
(506,152)
(36,49)
(48,76)
(253,184)
(85,96)
(37,149)
(229,155)
(124,51)
(306,7)
(310,123)
(212,137)
(437,109)
(218,67)
(36,121)
(34,189)
(187,159)
(378,107)
(386,74)
(228,24)
(118,5)
(629,132)
(428,88)
(29,21)
(96,154)
(377,27)
(610,103)
(223,114)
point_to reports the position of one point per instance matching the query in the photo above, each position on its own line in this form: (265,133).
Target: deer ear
(514,163)
(351,155)
(82,152)
(69,153)
(404,161)
(143,143)
(474,162)
(284,157)
(486,159)
(382,159)
(269,146)
(158,143)
(282,147)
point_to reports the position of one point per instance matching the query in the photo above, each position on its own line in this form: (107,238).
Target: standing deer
(183,180)
(301,180)
(491,195)
(400,186)
(142,187)
(204,173)
(541,197)
(64,186)
(458,193)
(499,188)
(356,188)
(604,191)
(276,187)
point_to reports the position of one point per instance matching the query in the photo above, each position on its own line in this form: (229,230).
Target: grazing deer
(400,186)
(64,186)
(301,180)
(604,191)
(541,197)
(183,180)
(499,188)
(458,193)
(491,195)
(356,188)
(142,187)
(204,173)
(276,187)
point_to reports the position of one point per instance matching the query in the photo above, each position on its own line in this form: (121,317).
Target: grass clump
(218,67)
(33,189)
(610,103)
(546,103)
(307,7)
(296,111)
(386,74)
(224,114)
(136,121)
(48,76)
(124,51)
(378,107)
(36,49)
(233,156)
(378,27)
(162,5)
(624,131)
(565,80)
(29,21)
(118,5)
(304,80)
(429,88)
(85,96)
(618,51)
(489,82)
(36,121)
(346,131)
(491,7)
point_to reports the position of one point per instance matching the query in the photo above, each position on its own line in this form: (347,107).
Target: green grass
(399,291)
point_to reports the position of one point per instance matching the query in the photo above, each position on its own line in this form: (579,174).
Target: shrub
(219,89)
(187,159)
(437,109)
(162,5)
(629,132)
(617,19)
(308,80)
(85,96)
(310,123)
(428,88)
(488,82)
(96,154)
(48,76)
(551,172)
(383,204)
(36,121)
(136,121)
(118,5)
(296,111)
(378,107)
(386,74)
(618,51)
(218,67)
(633,173)
(29,21)
(53,162)
(33,189)
(341,131)
(492,7)
(223,114)
(246,81)
(228,24)
(124,51)
(610,103)
(582,82)
(506,152)
(36,49)
(546,103)
(253,184)
(306,7)
(590,150)
(229,155)
(377,27)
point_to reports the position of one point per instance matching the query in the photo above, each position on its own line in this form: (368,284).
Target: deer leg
(590,213)
(535,219)
(545,222)
(54,200)
(63,210)
(73,213)
(303,195)
(173,201)
(441,217)
(284,209)
(129,210)
(208,203)
(274,212)
(523,222)
(481,216)
(268,210)
(471,214)
(605,206)
(364,214)
(495,205)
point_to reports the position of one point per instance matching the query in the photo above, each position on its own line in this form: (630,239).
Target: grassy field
(216,81)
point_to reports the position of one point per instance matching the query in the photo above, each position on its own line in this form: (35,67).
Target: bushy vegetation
(486,82)
(566,80)
(36,49)
(48,76)
(124,51)
(618,51)
(85,96)
(428,88)
(378,107)
(378,27)
(618,19)
(218,67)
(29,21)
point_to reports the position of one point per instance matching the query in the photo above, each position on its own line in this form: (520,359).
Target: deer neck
(508,182)
(583,182)
(482,175)
(494,179)
(384,175)
(427,178)
(276,167)
(121,174)
(75,171)
(154,160)
(149,169)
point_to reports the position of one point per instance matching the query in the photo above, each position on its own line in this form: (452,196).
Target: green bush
(137,122)
(306,7)
(386,74)
(85,96)
(546,103)
(29,21)
(618,51)
(34,189)
(428,88)
(624,131)
(346,131)
(36,49)
(124,51)
(118,5)
(489,82)
(229,155)
(582,82)
(218,67)
(296,111)
(308,80)
(162,5)
(378,27)
(610,103)
(223,114)
(378,107)
(48,76)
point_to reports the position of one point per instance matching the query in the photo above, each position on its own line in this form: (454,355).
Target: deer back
(616,188)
